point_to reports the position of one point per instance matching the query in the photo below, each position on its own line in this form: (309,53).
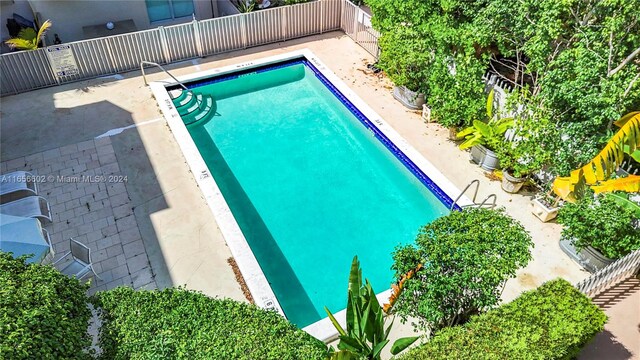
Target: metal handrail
(475,194)
(142,63)
(484,202)
(492,206)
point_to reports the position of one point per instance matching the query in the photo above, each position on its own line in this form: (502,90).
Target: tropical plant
(489,134)
(365,336)
(246,6)
(28,39)
(553,321)
(180,324)
(601,167)
(43,314)
(468,256)
(602,223)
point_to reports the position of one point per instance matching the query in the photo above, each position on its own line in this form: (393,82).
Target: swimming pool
(308,179)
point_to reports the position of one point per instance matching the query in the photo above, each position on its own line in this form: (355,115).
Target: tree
(28,39)
(468,256)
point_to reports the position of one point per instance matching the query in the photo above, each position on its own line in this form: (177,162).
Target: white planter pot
(542,212)
(408,98)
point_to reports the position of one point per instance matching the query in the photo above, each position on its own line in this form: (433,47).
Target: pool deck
(181,239)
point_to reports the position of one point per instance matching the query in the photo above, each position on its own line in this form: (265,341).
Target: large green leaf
(335,322)
(378,348)
(402,344)
(484,129)
(490,104)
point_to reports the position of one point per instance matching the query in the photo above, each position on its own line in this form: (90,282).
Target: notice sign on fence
(62,60)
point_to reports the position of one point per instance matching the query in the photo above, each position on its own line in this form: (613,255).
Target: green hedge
(552,322)
(43,314)
(182,324)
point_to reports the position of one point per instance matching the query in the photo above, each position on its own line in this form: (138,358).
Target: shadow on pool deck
(179,235)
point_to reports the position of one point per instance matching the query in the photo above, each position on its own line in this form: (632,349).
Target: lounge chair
(48,259)
(16,185)
(30,206)
(81,263)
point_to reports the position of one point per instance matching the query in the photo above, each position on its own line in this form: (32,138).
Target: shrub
(467,258)
(182,324)
(552,322)
(43,314)
(602,224)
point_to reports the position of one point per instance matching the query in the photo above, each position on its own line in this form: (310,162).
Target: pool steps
(193,107)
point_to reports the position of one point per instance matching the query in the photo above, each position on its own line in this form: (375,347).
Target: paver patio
(89,202)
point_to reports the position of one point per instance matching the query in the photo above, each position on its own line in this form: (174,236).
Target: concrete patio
(179,234)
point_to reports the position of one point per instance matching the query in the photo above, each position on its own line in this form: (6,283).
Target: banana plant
(599,170)
(489,133)
(28,39)
(365,335)
(629,183)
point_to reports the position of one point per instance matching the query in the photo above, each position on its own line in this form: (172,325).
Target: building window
(168,9)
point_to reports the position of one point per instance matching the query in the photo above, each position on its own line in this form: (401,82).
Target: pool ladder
(488,202)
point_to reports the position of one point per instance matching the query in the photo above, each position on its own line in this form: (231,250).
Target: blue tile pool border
(410,165)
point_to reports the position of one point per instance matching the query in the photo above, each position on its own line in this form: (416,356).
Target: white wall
(7,8)
(226,8)
(69,16)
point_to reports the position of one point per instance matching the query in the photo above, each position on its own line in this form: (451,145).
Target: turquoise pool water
(310,186)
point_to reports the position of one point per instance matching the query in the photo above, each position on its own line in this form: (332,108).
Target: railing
(611,275)
(357,24)
(28,70)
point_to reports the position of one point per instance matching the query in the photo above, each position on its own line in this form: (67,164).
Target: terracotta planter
(484,157)
(589,258)
(510,183)
(411,99)
(542,211)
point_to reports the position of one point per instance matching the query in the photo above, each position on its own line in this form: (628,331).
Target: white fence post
(284,17)
(196,34)
(322,2)
(164,45)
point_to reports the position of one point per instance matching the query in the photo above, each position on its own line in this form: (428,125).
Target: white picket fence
(28,70)
(611,275)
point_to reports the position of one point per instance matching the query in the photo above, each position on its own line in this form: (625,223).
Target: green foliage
(292,2)
(601,223)
(181,324)
(552,322)
(489,134)
(28,39)
(467,257)
(246,7)
(365,336)
(43,314)
(577,59)
(532,145)
(430,46)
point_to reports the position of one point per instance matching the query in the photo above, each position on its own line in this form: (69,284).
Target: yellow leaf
(630,183)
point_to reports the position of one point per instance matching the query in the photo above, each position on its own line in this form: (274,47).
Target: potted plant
(598,230)
(405,60)
(545,207)
(525,148)
(485,137)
